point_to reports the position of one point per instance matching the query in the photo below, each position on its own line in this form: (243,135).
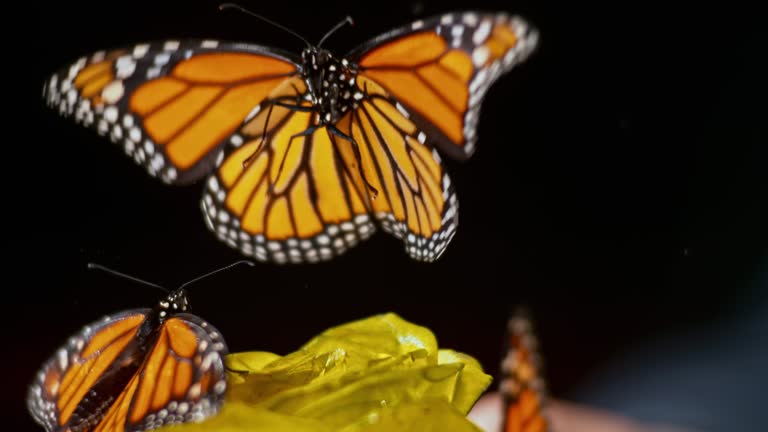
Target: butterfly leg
(307,132)
(272,104)
(253,155)
(335,131)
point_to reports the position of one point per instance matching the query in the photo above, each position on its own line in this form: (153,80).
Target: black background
(618,190)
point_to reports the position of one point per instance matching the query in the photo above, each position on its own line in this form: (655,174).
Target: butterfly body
(133,371)
(331,84)
(305,154)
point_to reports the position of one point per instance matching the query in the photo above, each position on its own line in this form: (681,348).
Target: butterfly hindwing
(305,203)
(180,379)
(416,201)
(440,69)
(314,200)
(171,104)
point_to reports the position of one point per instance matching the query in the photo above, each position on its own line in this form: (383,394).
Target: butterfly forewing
(171,104)
(441,68)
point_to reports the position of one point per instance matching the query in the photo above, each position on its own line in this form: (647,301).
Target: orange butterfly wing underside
(522,387)
(441,68)
(181,379)
(313,199)
(170,105)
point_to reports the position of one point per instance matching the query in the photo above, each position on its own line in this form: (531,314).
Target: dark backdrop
(617,191)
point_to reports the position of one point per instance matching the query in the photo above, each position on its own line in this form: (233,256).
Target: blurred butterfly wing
(67,376)
(182,379)
(169,105)
(440,69)
(416,201)
(303,202)
(522,387)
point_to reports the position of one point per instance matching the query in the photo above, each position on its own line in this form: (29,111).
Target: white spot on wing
(171,45)
(480,55)
(482,32)
(113,91)
(140,50)
(110,114)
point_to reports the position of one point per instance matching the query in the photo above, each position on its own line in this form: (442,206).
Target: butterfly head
(177,301)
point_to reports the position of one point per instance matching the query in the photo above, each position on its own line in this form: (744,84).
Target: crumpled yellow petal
(380,373)
(429,415)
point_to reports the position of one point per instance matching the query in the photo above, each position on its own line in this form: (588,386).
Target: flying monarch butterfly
(305,155)
(135,370)
(522,388)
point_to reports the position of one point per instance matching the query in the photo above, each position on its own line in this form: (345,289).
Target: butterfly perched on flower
(522,388)
(135,370)
(305,155)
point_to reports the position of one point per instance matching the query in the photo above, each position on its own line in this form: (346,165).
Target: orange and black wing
(180,380)
(282,196)
(522,387)
(69,374)
(306,198)
(416,201)
(440,69)
(172,104)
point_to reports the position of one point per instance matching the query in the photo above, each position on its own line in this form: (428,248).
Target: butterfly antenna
(93,266)
(267,20)
(342,23)
(250,264)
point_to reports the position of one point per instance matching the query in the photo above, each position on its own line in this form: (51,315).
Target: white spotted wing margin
(101,99)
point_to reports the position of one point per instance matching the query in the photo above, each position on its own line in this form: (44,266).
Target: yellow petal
(380,374)
(430,415)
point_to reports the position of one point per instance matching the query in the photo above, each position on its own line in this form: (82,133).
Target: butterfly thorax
(177,301)
(331,84)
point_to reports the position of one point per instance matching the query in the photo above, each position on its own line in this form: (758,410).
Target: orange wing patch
(441,70)
(168,373)
(522,388)
(169,105)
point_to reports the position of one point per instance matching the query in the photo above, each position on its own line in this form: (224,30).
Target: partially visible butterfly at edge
(522,387)
(305,155)
(136,370)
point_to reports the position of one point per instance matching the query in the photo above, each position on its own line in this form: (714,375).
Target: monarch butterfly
(522,388)
(135,370)
(305,155)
